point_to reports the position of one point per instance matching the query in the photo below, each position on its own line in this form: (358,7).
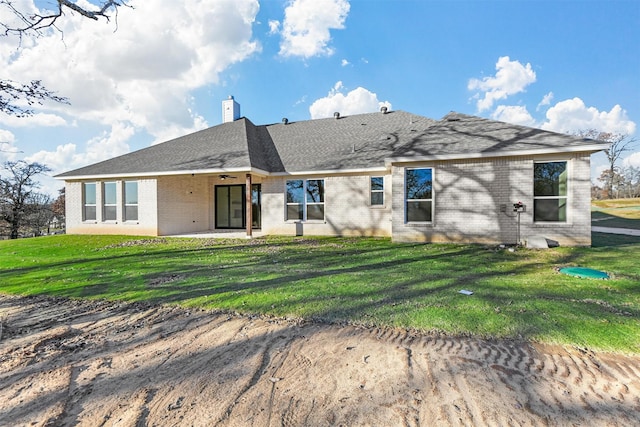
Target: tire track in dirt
(264,358)
(99,363)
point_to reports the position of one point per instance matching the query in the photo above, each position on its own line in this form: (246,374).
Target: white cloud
(8,150)
(67,156)
(515,114)
(6,137)
(142,73)
(511,77)
(596,171)
(274,27)
(344,63)
(173,131)
(59,159)
(546,100)
(306,25)
(36,120)
(633,160)
(573,115)
(358,101)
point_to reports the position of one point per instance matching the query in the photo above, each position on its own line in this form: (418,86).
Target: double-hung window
(305,199)
(418,184)
(377,191)
(89,201)
(131,200)
(550,192)
(109,206)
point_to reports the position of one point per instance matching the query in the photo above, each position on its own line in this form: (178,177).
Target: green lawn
(617,213)
(608,219)
(362,281)
(617,203)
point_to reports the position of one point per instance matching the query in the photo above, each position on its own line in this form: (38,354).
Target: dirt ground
(100,363)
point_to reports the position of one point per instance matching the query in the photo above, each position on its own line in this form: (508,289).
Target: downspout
(249,207)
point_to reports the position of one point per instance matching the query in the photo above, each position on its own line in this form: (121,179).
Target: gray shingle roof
(217,147)
(459,135)
(351,142)
(362,141)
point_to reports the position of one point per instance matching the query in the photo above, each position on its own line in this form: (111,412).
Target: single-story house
(390,173)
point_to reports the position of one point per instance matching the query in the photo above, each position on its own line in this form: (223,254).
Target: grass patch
(364,281)
(619,213)
(613,220)
(616,203)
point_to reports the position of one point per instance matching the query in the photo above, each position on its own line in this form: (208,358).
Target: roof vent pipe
(383,109)
(285,120)
(336,115)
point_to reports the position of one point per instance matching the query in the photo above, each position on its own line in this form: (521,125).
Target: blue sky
(163,69)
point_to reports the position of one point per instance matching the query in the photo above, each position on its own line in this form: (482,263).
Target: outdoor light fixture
(223,177)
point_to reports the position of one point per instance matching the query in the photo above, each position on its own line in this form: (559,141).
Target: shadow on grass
(365,281)
(606,240)
(610,219)
(419,290)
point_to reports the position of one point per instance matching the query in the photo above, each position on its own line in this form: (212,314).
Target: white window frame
(129,205)
(106,205)
(85,204)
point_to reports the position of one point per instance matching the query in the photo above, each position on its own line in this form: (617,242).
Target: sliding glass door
(230,207)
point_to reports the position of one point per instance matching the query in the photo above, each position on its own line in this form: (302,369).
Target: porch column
(249,207)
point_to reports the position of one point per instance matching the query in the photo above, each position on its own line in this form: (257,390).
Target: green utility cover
(588,273)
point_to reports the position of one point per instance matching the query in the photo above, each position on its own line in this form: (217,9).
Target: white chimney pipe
(230,110)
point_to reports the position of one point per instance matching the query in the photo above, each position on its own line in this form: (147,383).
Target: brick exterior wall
(146,225)
(347,208)
(468,196)
(184,204)
(73,206)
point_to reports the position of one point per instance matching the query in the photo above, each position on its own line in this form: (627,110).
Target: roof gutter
(254,171)
(331,171)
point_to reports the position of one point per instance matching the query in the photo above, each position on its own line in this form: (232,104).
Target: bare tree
(632,181)
(17,193)
(596,192)
(620,143)
(26,23)
(613,183)
(58,211)
(38,214)
(58,206)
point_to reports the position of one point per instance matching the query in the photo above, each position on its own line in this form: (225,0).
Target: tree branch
(32,93)
(34,23)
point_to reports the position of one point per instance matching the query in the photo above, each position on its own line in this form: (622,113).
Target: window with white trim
(89,201)
(377,191)
(305,199)
(550,192)
(109,202)
(130,200)
(418,185)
